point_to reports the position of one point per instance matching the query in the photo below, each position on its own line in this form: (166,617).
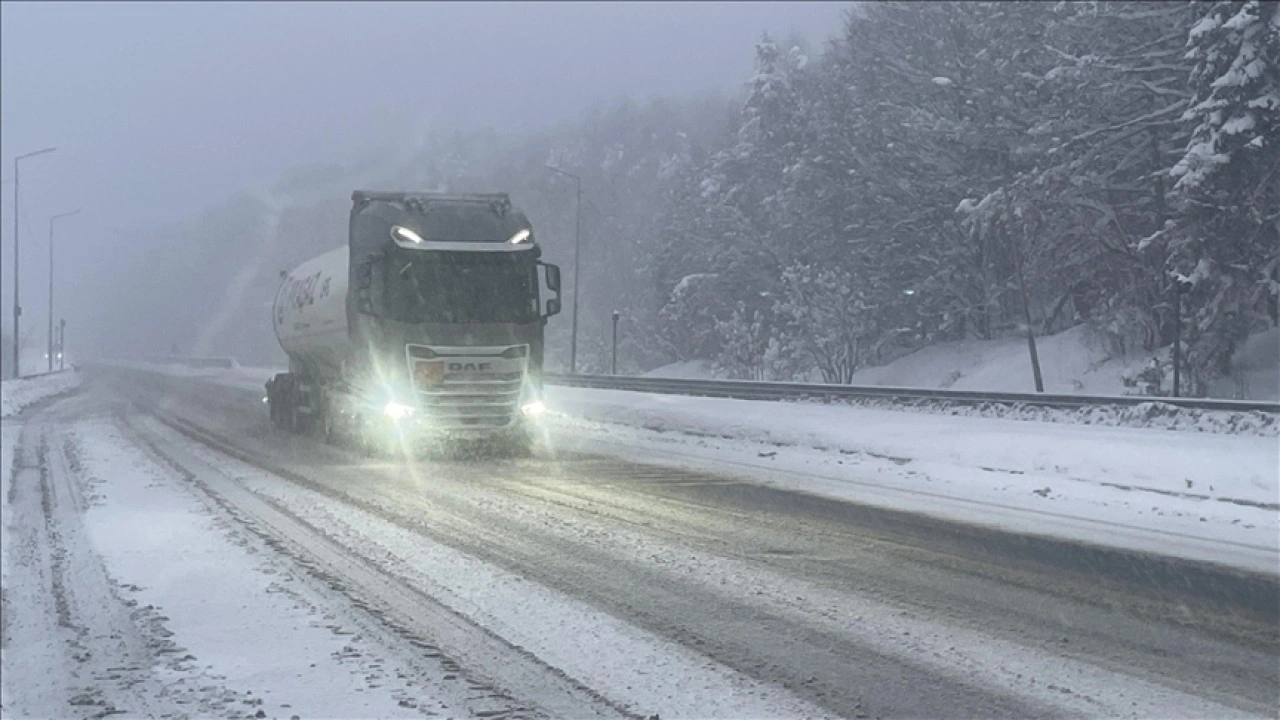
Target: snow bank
(1245,468)
(1152,415)
(1214,497)
(17,394)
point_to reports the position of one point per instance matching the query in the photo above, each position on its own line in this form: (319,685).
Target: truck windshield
(467,288)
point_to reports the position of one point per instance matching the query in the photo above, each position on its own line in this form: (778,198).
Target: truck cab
(447,294)
(444,322)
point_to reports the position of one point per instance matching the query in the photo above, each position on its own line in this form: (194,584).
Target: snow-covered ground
(1075,361)
(17,394)
(1213,497)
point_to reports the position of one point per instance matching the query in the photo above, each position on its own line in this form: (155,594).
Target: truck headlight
(533,409)
(397,411)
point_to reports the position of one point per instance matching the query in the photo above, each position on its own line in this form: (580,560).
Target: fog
(160,111)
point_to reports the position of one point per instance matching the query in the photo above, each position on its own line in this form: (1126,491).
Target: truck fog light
(396,411)
(534,409)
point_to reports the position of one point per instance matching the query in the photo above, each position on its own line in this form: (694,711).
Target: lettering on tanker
(297,293)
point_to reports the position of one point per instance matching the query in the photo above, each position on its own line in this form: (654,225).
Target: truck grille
(466,397)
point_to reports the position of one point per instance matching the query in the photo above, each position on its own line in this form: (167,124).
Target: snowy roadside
(14,396)
(1204,496)
(1153,414)
(17,394)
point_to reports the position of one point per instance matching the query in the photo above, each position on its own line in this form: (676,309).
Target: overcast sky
(159,109)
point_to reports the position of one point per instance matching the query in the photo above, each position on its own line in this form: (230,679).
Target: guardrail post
(615,342)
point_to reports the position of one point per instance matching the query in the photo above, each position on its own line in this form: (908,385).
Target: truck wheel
(324,426)
(327,432)
(521,444)
(369,445)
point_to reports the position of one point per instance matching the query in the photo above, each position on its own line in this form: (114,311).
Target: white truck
(427,326)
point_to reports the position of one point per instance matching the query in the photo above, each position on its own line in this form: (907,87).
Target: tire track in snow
(87,650)
(460,646)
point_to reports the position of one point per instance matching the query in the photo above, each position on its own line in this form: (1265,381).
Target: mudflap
(281,401)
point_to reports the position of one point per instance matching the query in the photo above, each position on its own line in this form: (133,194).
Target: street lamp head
(553,168)
(36,152)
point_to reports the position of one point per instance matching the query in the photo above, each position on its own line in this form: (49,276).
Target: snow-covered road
(170,554)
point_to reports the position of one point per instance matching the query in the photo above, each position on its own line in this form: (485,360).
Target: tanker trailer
(427,326)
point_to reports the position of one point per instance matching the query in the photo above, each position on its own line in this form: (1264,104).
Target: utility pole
(50,330)
(1026,315)
(17,306)
(577,242)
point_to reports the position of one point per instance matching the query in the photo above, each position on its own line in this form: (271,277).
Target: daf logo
(478,367)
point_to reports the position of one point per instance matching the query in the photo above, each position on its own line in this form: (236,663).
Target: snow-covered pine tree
(1227,190)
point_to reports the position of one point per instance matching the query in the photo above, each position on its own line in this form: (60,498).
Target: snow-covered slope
(1070,362)
(1078,360)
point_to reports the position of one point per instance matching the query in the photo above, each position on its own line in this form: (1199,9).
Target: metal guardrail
(752,390)
(195,362)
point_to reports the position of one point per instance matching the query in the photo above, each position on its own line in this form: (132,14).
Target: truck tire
(303,422)
(366,441)
(327,432)
(323,421)
(519,444)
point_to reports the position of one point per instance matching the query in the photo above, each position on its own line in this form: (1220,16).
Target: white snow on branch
(1239,124)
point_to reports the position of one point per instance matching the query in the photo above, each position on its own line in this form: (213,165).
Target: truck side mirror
(553,307)
(553,278)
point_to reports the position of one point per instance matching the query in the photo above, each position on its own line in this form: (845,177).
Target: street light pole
(55,217)
(62,342)
(577,242)
(17,307)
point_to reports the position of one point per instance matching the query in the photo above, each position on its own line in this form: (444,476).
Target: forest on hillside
(931,172)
